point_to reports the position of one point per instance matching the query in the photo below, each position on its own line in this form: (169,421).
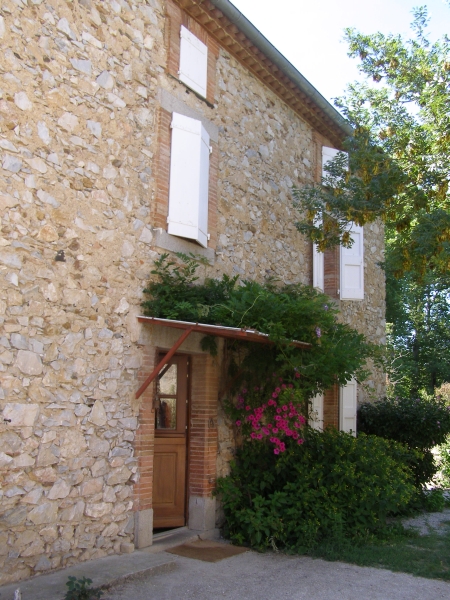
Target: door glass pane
(167,382)
(166,413)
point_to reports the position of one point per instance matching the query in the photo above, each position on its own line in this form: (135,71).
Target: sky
(310,33)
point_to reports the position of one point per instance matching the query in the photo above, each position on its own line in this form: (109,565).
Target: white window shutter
(193,62)
(352,266)
(316,415)
(189,179)
(318,267)
(327,155)
(348,407)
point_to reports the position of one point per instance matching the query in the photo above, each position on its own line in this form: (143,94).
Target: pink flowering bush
(271,413)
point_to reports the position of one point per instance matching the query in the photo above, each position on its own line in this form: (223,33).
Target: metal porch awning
(236,333)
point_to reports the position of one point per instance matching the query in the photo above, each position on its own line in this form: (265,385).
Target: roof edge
(263,44)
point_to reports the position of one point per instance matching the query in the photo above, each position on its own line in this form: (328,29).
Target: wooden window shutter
(318,268)
(348,407)
(189,179)
(352,267)
(316,415)
(193,62)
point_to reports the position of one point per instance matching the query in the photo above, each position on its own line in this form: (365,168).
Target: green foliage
(399,153)
(80,589)
(285,313)
(444,462)
(420,424)
(332,486)
(434,500)
(419,334)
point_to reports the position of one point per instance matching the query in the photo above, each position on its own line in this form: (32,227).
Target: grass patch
(400,550)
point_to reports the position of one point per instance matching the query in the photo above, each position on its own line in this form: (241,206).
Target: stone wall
(76,140)
(82,83)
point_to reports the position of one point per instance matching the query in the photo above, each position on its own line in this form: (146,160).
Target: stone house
(129,128)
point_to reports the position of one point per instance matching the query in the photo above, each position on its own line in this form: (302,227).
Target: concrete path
(253,576)
(154,574)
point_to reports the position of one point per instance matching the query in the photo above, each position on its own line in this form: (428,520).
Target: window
(327,155)
(189,179)
(352,267)
(347,407)
(193,62)
(318,267)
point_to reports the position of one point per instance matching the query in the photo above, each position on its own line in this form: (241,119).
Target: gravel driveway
(253,576)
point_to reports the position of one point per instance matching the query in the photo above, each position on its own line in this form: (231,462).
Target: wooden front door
(169,470)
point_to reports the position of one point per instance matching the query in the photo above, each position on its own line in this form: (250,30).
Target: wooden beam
(163,362)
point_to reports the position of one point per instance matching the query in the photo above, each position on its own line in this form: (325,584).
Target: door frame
(161,352)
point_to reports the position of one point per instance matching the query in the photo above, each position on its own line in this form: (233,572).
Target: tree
(399,155)
(418,313)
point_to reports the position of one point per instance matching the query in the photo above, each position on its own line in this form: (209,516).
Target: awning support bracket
(163,362)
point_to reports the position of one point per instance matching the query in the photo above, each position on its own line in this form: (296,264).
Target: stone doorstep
(109,570)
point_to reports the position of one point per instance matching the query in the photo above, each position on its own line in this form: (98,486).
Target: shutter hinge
(208,236)
(210,149)
(168,220)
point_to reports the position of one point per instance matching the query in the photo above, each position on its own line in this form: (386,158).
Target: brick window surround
(175,18)
(161,204)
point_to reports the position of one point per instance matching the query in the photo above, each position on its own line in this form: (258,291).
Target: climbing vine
(283,312)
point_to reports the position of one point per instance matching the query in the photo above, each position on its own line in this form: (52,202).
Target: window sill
(161,239)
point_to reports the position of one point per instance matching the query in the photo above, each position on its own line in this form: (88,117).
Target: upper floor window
(193,62)
(189,180)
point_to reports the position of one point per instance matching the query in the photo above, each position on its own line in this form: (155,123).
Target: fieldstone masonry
(81,83)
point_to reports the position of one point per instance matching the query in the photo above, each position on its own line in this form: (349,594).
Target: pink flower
(275,430)
(238,423)
(283,386)
(244,391)
(248,407)
(278,410)
(300,441)
(295,435)
(290,386)
(253,435)
(278,390)
(274,395)
(269,425)
(276,451)
(284,407)
(265,430)
(297,375)
(259,436)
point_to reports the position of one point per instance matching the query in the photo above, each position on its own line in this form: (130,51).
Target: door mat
(207,550)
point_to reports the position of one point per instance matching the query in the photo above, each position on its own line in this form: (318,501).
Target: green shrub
(418,423)
(333,485)
(433,500)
